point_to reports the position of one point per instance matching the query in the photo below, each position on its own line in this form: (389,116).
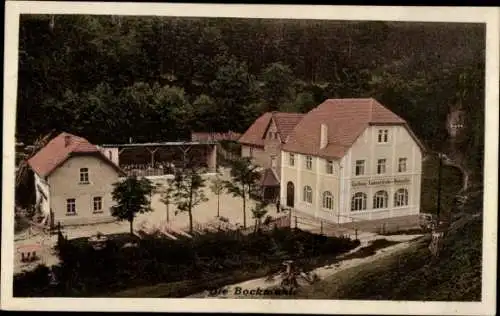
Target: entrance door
(290,194)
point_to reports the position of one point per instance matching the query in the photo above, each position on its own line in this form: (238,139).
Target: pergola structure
(157,159)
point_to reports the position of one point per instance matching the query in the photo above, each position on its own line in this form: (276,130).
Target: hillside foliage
(112,78)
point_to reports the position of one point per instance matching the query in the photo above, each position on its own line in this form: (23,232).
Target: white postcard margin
(489,16)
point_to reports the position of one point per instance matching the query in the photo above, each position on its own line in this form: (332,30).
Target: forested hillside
(157,78)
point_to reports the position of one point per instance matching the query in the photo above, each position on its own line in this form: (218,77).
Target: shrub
(86,271)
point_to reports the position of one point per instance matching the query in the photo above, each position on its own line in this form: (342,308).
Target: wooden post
(356,233)
(295,221)
(321,222)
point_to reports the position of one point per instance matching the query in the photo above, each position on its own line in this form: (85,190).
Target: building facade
(74,181)
(351,160)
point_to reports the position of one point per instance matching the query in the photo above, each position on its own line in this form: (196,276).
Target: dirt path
(255,288)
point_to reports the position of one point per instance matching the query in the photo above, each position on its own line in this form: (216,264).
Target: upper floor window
(402,165)
(273,161)
(70,207)
(329,166)
(97,204)
(291,159)
(381,166)
(358,202)
(327,200)
(360,167)
(307,194)
(383,135)
(84,175)
(309,162)
(380,199)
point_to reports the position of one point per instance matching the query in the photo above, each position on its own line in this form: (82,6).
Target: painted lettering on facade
(370,182)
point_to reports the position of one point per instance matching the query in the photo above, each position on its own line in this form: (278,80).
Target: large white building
(352,159)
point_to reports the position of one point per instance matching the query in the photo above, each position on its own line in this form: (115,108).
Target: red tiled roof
(269,178)
(55,153)
(285,123)
(345,119)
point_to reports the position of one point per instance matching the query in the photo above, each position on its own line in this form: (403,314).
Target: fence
(283,221)
(321,226)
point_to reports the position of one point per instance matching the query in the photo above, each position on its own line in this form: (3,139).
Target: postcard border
(490,16)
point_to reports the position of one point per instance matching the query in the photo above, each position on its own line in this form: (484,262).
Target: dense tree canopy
(157,78)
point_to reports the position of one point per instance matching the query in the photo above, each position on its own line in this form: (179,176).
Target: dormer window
(383,135)
(84,175)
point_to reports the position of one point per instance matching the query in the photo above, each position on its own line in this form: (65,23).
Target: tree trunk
(168,213)
(131,221)
(218,205)
(190,222)
(244,211)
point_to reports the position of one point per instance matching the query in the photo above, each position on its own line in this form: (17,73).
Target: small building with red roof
(351,160)
(74,181)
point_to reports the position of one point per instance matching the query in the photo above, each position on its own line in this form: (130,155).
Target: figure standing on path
(277,205)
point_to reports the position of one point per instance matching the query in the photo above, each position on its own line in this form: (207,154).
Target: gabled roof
(285,123)
(269,178)
(345,119)
(60,149)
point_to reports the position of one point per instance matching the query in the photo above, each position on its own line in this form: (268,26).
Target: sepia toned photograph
(258,158)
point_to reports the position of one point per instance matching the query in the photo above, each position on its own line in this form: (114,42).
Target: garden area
(178,267)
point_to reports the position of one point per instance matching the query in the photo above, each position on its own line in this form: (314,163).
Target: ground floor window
(401,197)
(307,194)
(327,200)
(70,207)
(380,199)
(97,204)
(358,202)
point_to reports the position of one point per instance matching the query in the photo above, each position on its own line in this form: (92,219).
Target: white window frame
(401,198)
(383,136)
(402,164)
(329,166)
(84,176)
(358,201)
(380,200)
(381,166)
(291,159)
(307,194)
(361,165)
(308,162)
(97,200)
(328,200)
(70,207)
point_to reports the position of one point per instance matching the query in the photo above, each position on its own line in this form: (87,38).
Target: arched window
(358,202)
(308,194)
(327,200)
(380,199)
(401,197)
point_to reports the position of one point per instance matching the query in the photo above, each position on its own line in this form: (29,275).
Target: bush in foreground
(85,271)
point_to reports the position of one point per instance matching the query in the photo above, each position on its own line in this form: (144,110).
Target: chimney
(67,140)
(323,137)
